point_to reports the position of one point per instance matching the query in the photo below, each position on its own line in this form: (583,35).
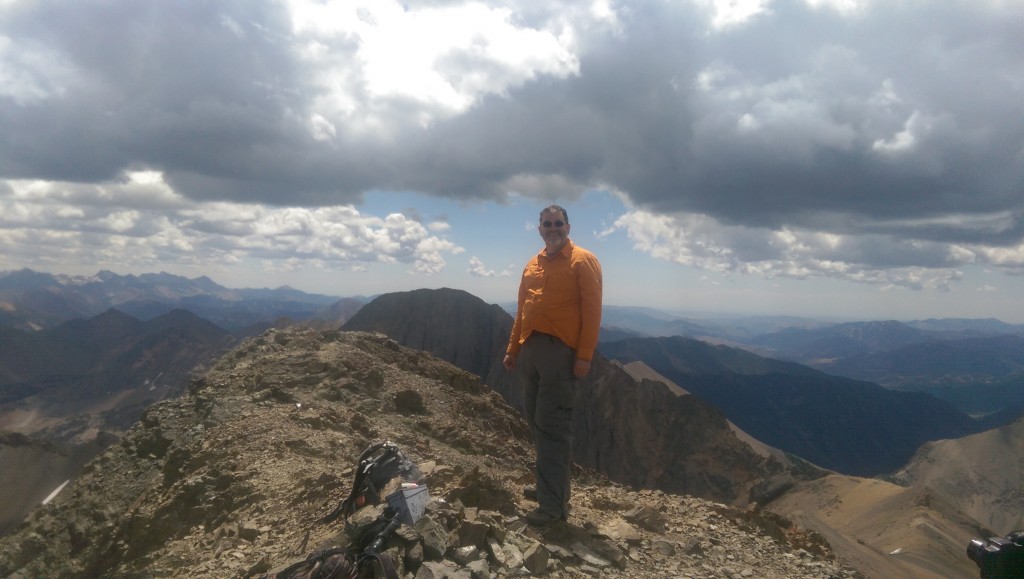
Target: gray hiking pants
(545,366)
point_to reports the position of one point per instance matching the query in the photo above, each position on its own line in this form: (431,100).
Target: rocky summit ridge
(226,480)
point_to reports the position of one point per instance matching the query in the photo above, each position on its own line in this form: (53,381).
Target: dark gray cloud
(896,127)
(907,111)
(179,87)
(802,113)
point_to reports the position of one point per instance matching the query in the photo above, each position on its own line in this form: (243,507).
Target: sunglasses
(558,223)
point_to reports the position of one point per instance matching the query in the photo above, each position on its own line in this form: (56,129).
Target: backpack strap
(316,565)
(387,566)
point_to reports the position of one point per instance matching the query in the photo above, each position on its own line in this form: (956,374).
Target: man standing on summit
(552,344)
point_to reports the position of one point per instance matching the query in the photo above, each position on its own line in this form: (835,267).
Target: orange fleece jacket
(560,295)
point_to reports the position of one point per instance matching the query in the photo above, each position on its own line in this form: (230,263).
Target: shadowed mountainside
(31,469)
(83,360)
(845,425)
(75,388)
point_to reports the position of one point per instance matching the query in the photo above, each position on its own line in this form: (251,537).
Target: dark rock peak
(111,322)
(451,324)
(180,317)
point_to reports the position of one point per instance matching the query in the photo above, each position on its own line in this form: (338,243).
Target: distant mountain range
(799,338)
(841,341)
(976,365)
(33,300)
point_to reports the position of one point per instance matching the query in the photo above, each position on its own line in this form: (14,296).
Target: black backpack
(378,465)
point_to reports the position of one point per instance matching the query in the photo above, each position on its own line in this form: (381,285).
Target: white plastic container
(410,501)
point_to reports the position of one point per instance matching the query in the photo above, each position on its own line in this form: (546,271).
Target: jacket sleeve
(517,325)
(591,290)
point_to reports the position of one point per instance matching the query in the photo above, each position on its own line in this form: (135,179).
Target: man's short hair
(555,209)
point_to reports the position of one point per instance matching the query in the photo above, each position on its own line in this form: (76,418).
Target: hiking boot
(539,518)
(530,492)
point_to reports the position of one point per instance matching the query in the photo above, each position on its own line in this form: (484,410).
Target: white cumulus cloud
(137,221)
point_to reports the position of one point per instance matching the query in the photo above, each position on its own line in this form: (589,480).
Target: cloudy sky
(846,158)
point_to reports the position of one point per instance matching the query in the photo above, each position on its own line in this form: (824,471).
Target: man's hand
(509,362)
(581,368)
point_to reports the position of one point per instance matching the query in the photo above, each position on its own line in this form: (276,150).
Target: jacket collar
(566,250)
